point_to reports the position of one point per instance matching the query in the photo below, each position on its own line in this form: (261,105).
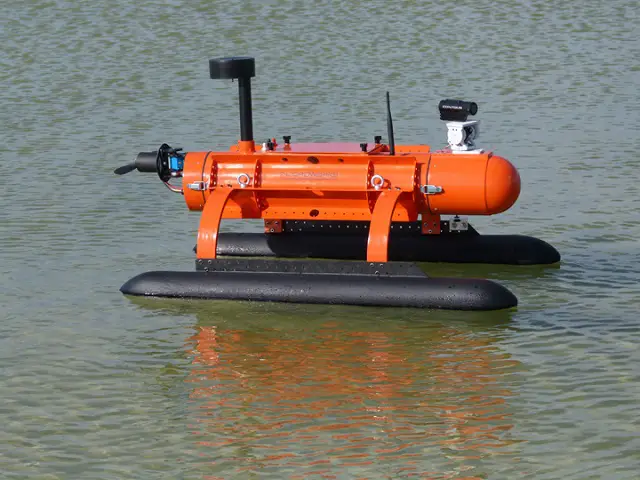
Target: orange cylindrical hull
(474,184)
(342,186)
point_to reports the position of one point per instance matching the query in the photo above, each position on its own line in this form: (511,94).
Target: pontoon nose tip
(502,185)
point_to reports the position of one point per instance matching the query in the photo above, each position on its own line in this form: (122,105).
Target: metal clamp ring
(243,180)
(377,181)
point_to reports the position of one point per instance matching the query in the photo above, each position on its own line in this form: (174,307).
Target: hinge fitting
(430,189)
(198,186)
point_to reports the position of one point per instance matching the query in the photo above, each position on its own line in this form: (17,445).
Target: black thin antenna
(392,143)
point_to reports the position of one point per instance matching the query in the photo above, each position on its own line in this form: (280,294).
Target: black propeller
(125,169)
(152,162)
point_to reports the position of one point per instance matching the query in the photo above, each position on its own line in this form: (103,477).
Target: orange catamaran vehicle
(344,222)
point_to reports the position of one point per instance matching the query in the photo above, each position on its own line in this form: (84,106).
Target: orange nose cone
(502,185)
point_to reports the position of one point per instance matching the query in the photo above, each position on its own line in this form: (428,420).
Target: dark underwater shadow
(285,316)
(492,272)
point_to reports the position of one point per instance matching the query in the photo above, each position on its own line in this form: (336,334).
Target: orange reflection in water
(383,404)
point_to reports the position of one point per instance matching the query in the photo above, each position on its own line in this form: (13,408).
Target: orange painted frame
(335,182)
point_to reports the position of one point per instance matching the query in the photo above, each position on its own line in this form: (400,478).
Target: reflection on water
(317,395)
